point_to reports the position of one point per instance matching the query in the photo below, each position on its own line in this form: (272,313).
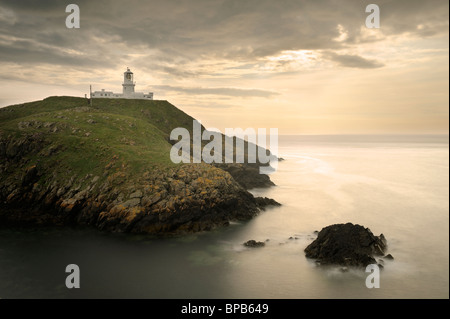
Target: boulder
(346,245)
(253,243)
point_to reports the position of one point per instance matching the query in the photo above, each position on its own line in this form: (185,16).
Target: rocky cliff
(62,162)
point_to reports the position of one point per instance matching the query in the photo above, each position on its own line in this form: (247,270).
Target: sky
(304,67)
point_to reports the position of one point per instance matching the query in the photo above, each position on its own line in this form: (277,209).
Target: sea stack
(346,245)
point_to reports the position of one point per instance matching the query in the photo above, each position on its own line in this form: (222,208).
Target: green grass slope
(135,132)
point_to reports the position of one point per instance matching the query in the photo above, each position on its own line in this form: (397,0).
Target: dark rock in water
(247,175)
(253,243)
(262,202)
(346,245)
(389,256)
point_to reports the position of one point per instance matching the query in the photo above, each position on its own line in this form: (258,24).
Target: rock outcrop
(109,167)
(346,245)
(254,244)
(247,175)
(184,199)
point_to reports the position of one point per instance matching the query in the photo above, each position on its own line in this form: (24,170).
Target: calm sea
(395,185)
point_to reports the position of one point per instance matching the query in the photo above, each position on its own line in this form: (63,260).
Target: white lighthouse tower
(128,83)
(128,90)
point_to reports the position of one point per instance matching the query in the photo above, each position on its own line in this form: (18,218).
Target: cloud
(234,30)
(181,40)
(7,16)
(236,92)
(353,61)
(25,50)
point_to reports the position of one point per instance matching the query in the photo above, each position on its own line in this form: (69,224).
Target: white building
(128,90)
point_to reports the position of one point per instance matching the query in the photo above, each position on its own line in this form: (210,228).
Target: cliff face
(62,162)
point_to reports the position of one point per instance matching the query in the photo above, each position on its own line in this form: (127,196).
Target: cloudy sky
(304,67)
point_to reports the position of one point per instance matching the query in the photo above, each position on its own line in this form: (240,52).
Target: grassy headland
(62,161)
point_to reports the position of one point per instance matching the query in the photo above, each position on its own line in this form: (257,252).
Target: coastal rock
(187,199)
(264,201)
(254,244)
(346,245)
(247,175)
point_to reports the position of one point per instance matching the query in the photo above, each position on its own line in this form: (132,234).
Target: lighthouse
(128,83)
(127,91)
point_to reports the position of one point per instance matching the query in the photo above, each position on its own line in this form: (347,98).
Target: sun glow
(300,55)
(290,60)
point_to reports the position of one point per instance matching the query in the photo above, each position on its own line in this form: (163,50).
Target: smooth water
(395,185)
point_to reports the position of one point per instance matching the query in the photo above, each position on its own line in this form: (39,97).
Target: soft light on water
(394,185)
